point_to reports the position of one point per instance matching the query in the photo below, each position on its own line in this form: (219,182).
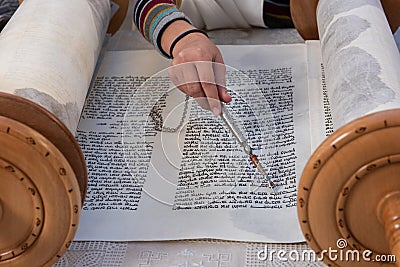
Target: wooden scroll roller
(43,184)
(48,53)
(349,192)
(119,17)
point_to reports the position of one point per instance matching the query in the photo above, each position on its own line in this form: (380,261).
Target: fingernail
(216,111)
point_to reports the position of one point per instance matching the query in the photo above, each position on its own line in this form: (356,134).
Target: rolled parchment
(48,52)
(360,56)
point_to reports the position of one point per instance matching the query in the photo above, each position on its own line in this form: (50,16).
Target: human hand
(198,68)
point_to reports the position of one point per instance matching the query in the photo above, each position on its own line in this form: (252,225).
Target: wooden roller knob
(349,192)
(42,184)
(39,198)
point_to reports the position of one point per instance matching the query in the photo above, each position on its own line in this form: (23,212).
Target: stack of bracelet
(153,17)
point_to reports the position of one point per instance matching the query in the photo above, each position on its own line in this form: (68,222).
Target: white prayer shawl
(216,14)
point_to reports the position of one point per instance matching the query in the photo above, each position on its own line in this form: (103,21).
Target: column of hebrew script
(321,122)
(99,135)
(215,173)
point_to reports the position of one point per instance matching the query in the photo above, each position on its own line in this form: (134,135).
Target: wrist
(185,38)
(173,31)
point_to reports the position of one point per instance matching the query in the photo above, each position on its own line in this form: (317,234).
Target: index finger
(207,80)
(220,79)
